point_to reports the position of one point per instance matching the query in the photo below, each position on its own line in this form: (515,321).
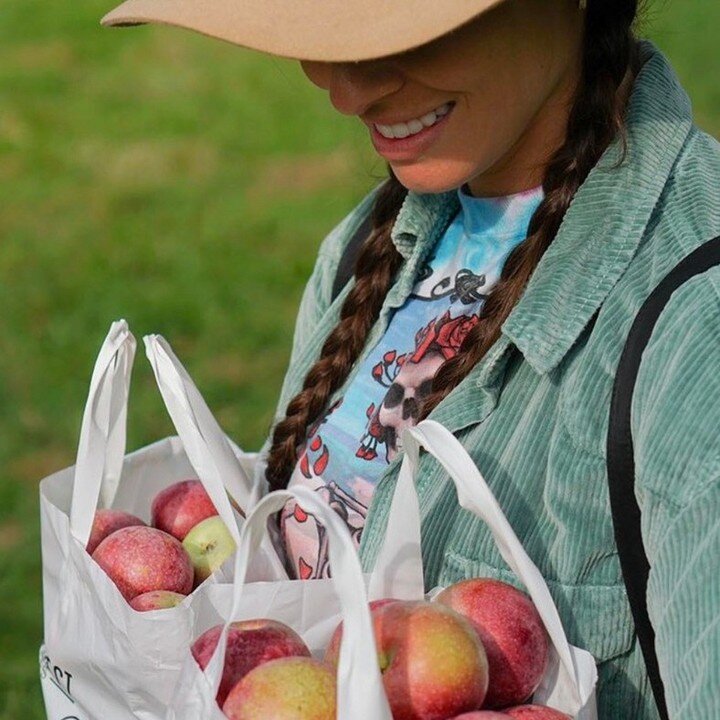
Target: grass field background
(183,184)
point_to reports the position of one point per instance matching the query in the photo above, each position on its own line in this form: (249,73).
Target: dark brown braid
(596,118)
(376,266)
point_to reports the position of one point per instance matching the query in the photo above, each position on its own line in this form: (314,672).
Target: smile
(413,127)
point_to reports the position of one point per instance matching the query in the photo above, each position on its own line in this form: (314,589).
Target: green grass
(183,184)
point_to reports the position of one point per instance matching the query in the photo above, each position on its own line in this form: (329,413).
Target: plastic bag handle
(358,698)
(203,439)
(473,495)
(101,448)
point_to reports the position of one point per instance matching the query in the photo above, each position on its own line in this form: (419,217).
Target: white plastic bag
(312,608)
(101,659)
(569,682)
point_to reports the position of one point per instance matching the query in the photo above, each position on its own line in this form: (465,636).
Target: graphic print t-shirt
(350,447)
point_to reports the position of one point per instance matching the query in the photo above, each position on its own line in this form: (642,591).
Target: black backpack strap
(346,266)
(620,461)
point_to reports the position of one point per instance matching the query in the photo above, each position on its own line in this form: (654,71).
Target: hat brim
(322,30)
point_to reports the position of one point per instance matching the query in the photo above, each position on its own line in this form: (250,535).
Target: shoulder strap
(346,266)
(620,461)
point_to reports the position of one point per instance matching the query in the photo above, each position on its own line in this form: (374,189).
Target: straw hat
(329,30)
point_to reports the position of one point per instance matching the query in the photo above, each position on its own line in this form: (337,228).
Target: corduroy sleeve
(676,417)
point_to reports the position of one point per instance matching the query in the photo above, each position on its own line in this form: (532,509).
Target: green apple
(209,544)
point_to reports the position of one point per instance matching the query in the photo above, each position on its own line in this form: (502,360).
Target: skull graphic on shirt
(402,403)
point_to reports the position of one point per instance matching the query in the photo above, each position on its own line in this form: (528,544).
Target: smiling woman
(544,174)
(503,101)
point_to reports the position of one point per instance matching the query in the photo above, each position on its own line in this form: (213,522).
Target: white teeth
(412,127)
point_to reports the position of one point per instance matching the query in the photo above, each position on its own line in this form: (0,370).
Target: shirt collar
(602,228)
(498,219)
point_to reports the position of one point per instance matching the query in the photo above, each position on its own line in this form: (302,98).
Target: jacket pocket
(596,618)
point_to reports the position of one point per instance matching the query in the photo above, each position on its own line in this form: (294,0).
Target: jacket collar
(602,228)
(605,222)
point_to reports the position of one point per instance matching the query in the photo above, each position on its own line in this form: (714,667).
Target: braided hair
(610,52)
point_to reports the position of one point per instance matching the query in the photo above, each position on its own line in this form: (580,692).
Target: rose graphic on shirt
(409,381)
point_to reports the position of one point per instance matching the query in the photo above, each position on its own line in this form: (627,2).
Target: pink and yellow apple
(180,507)
(106,522)
(156,600)
(511,631)
(209,544)
(535,712)
(332,652)
(141,559)
(432,663)
(250,643)
(294,688)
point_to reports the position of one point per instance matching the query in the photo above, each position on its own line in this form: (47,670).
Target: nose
(355,87)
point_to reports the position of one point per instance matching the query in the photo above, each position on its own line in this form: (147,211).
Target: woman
(545,174)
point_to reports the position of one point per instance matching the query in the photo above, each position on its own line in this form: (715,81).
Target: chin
(432,177)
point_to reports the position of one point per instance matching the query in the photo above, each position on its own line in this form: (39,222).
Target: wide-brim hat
(324,30)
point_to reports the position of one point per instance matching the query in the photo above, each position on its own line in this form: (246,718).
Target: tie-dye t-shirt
(348,450)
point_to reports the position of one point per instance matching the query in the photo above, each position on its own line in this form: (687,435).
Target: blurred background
(183,184)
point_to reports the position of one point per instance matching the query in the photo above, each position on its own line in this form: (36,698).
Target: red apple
(535,712)
(482,715)
(250,643)
(106,522)
(156,600)
(511,632)
(294,688)
(141,559)
(180,507)
(432,662)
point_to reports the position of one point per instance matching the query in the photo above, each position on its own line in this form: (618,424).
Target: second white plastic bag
(312,608)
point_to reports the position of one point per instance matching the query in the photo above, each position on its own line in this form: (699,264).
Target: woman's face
(492,98)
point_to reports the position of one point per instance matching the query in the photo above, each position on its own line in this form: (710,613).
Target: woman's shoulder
(687,216)
(331,250)
(689,208)
(335,242)
(676,402)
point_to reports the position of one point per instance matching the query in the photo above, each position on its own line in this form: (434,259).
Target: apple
(535,712)
(332,652)
(432,662)
(156,600)
(208,544)
(482,715)
(293,688)
(511,631)
(250,643)
(180,507)
(141,559)
(106,522)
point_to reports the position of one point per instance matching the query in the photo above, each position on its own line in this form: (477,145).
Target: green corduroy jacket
(534,413)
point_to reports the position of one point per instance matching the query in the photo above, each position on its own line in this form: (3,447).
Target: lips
(414,126)
(413,146)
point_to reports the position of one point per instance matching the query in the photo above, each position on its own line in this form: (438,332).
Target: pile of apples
(477,652)
(156,567)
